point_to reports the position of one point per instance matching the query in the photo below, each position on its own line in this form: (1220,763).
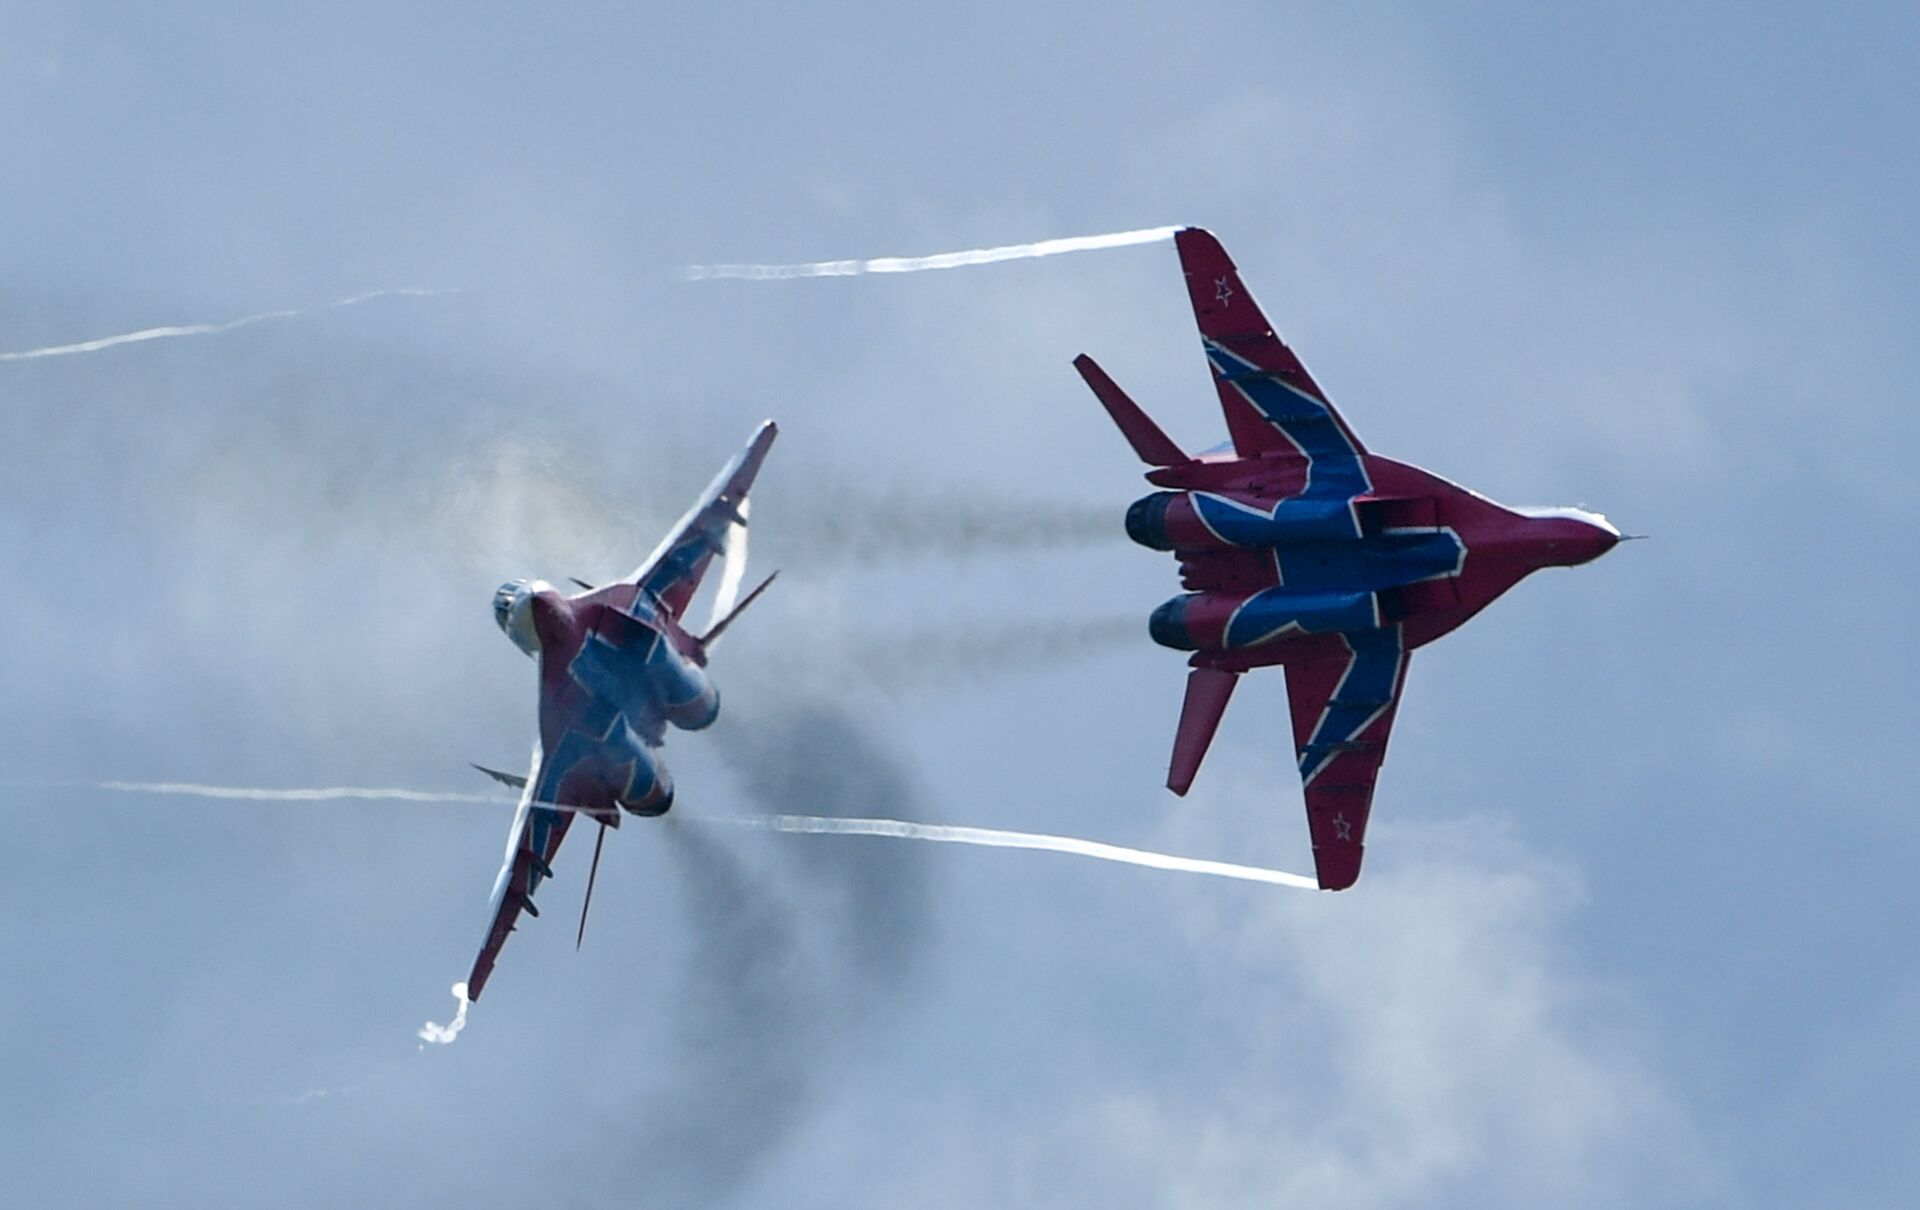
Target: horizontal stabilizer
(1154,447)
(1208,691)
(506,779)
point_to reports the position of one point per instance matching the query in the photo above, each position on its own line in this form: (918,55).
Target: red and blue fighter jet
(1299,547)
(616,669)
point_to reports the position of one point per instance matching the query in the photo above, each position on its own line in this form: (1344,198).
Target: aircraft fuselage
(1413,550)
(615,671)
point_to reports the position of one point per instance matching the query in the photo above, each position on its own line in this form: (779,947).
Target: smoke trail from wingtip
(310,793)
(444,1035)
(938,260)
(214,329)
(300,794)
(899,829)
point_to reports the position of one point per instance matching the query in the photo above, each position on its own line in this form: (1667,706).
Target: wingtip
(1198,239)
(1338,868)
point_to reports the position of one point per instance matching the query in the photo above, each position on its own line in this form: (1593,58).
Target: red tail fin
(1154,447)
(1208,691)
(707,640)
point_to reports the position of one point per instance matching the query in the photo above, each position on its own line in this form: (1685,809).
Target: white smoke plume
(899,829)
(444,1035)
(213,329)
(938,260)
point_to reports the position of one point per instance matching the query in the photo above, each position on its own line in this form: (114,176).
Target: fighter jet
(616,670)
(1299,547)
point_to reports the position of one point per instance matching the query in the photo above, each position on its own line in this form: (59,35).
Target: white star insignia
(1221,291)
(1342,828)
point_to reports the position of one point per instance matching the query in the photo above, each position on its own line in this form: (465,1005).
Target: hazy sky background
(1635,922)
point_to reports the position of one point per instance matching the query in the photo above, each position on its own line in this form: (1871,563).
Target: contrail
(995,838)
(127,338)
(939,260)
(312,794)
(307,793)
(443,1035)
(898,829)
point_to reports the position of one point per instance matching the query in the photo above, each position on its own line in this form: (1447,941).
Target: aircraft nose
(1574,542)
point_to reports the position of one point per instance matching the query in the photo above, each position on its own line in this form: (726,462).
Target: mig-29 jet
(616,669)
(1298,546)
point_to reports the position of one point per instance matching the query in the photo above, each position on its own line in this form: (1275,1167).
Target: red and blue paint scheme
(617,669)
(1299,547)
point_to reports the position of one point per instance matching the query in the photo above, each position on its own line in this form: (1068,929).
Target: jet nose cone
(1600,543)
(1576,540)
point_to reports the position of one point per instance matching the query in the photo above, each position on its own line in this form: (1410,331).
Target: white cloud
(1429,1038)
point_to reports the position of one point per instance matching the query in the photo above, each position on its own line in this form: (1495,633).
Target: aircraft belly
(1321,588)
(646,680)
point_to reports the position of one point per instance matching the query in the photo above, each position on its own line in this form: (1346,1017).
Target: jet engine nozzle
(513,612)
(1189,521)
(1147,520)
(1167,626)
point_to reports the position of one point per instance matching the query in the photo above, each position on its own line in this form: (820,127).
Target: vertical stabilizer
(1208,691)
(1154,447)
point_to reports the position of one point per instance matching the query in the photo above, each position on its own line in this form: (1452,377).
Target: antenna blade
(720,625)
(580,937)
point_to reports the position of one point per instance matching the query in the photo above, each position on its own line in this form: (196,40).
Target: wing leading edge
(549,800)
(532,844)
(674,570)
(1273,406)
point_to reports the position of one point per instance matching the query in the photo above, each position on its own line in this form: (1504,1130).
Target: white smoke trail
(939,260)
(444,1035)
(995,838)
(897,829)
(310,794)
(214,329)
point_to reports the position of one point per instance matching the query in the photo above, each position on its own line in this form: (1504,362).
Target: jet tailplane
(1208,691)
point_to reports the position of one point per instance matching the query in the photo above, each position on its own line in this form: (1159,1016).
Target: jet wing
(674,570)
(1342,712)
(1273,406)
(548,802)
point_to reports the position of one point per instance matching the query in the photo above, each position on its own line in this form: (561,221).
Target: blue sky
(1631,927)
